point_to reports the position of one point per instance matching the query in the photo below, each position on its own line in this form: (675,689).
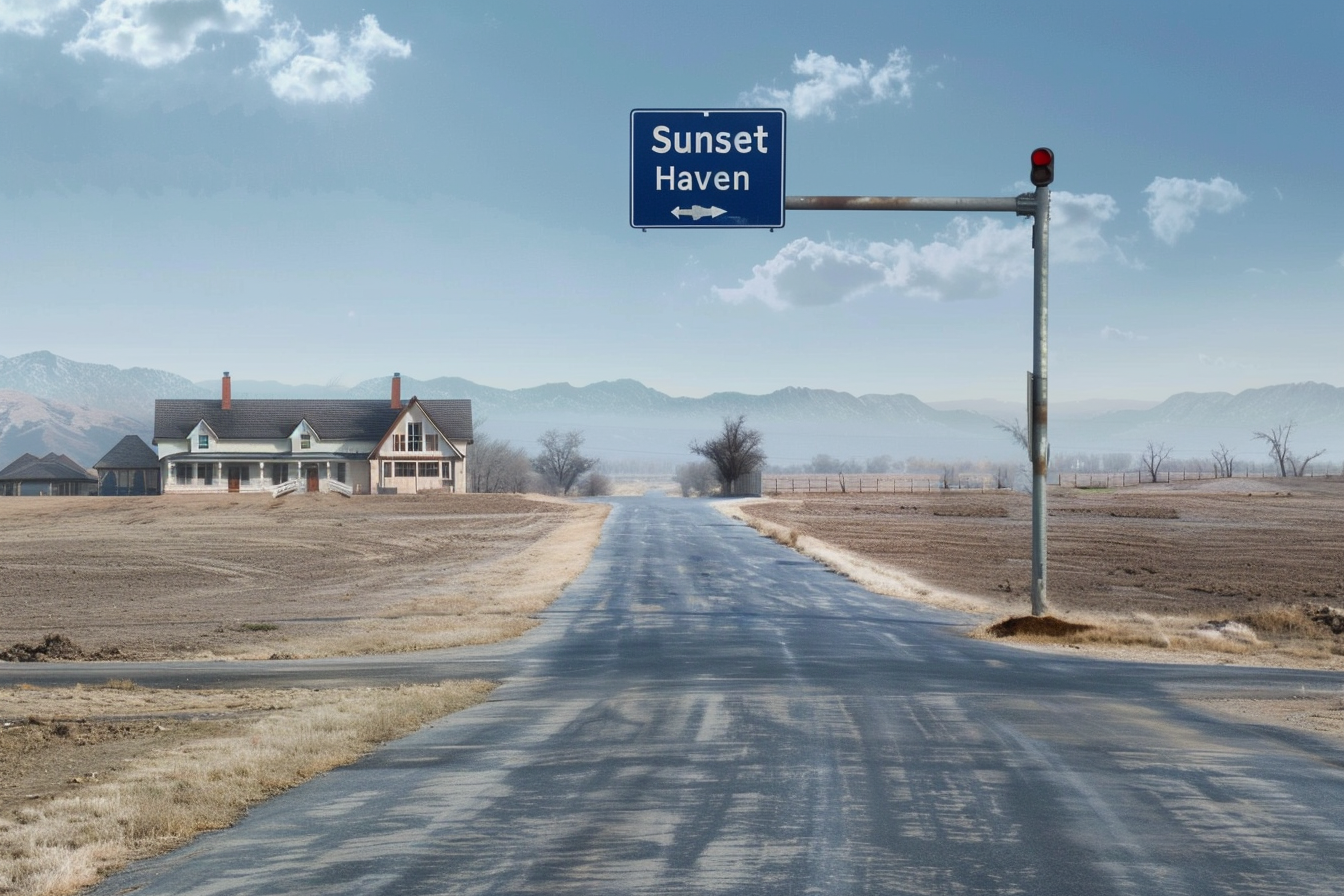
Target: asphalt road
(704,711)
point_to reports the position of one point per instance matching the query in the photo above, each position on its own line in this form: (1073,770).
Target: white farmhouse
(282,445)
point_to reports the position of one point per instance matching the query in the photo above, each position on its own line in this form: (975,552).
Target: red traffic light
(1042,166)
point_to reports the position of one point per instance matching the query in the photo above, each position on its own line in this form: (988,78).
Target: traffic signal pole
(1040,444)
(1036,206)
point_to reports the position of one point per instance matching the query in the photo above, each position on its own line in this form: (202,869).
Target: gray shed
(130,468)
(54,474)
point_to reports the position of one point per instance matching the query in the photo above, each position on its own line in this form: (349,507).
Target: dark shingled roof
(52,468)
(267,419)
(131,453)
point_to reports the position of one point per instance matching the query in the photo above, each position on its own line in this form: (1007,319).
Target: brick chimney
(226,393)
(396,391)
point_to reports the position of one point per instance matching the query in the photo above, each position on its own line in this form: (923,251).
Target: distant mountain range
(57,404)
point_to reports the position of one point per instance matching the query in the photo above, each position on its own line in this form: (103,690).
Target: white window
(203,441)
(415,436)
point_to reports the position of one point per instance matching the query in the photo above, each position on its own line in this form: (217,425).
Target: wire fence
(785,484)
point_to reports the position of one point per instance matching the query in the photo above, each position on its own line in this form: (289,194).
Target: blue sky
(326,191)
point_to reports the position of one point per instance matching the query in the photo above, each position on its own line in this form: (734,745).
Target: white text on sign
(666,140)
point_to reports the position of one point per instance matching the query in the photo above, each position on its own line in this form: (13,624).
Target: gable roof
(52,468)
(131,453)
(275,419)
(21,461)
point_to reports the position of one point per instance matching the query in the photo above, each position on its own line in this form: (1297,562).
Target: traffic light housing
(1042,166)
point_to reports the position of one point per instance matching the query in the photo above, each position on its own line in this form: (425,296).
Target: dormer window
(203,441)
(305,439)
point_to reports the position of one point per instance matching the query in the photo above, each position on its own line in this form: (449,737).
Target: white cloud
(826,81)
(968,261)
(1109,333)
(1174,203)
(1075,227)
(31,17)
(155,33)
(322,68)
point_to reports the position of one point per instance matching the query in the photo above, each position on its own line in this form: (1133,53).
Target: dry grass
(876,577)
(95,777)
(190,784)
(1160,574)
(1285,635)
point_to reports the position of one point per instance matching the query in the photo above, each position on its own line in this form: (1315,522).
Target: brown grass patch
(185,763)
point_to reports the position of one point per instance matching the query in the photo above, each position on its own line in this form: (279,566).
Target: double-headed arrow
(696,212)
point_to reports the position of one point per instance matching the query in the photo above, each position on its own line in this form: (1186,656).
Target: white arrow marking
(696,212)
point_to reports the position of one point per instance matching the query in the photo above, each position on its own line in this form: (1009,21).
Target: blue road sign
(707,168)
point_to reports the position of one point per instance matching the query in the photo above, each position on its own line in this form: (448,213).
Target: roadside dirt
(237,577)
(255,577)
(1216,548)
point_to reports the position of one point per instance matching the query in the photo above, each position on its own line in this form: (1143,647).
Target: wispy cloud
(826,82)
(298,66)
(1109,333)
(155,33)
(1076,222)
(1174,203)
(968,261)
(32,17)
(324,68)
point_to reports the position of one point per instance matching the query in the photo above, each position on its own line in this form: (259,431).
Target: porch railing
(285,488)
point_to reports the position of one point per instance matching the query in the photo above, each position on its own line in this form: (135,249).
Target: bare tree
(560,464)
(695,477)
(1277,440)
(497,466)
(1281,450)
(1153,457)
(879,464)
(735,452)
(1021,435)
(595,484)
(1300,465)
(1222,461)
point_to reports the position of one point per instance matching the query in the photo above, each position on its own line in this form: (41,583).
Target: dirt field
(1203,549)
(84,769)
(252,576)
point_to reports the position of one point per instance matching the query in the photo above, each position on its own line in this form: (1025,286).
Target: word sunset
(707,168)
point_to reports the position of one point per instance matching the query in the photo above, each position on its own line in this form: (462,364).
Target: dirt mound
(1039,626)
(53,647)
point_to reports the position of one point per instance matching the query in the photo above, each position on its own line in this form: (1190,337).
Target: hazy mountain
(38,425)
(1059,410)
(130,392)
(626,419)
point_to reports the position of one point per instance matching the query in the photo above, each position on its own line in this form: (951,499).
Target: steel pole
(1040,443)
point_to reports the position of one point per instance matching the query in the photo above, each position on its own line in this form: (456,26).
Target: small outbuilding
(130,468)
(54,474)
